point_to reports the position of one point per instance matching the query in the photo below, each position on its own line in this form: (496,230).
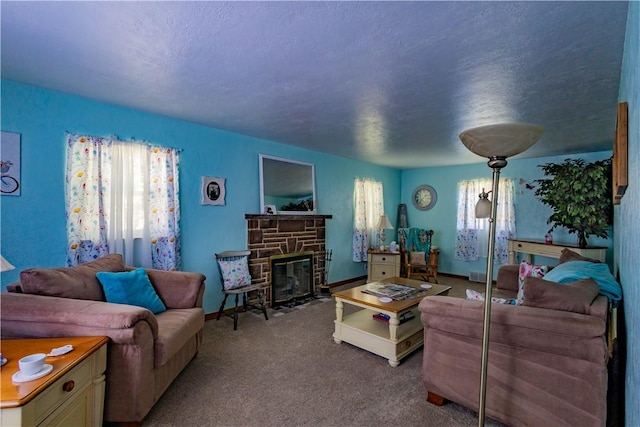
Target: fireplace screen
(291,278)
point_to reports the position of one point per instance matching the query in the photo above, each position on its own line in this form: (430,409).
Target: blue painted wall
(33,224)
(531,214)
(627,216)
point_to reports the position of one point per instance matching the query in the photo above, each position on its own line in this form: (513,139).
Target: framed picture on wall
(620,162)
(10,163)
(213,191)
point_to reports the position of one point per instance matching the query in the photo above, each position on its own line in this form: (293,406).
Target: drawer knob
(68,386)
(519,245)
(384,258)
(384,272)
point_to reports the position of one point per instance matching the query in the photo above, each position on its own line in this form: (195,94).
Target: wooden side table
(71,395)
(382,265)
(536,247)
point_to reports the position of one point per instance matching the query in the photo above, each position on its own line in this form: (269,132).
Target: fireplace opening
(291,278)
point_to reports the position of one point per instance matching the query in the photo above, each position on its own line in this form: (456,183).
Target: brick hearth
(283,234)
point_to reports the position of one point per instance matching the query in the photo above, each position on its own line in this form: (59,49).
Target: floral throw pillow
(416,258)
(235,273)
(527,269)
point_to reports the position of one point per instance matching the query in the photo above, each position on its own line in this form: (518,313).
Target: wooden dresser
(72,394)
(382,265)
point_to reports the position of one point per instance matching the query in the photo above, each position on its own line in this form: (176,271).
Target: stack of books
(403,317)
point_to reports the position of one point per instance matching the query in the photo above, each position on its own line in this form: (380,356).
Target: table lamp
(384,224)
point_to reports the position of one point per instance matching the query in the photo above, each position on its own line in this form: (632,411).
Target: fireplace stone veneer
(269,235)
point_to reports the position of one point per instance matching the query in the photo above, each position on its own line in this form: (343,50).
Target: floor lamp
(496,142)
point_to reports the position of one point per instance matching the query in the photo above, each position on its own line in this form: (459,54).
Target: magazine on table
(394,291)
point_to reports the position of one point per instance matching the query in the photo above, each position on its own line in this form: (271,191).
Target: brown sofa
(146,352)
(545,367)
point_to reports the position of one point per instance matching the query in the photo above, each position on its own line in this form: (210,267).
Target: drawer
(410,343)
(379,272)
(383,259)
(75,380)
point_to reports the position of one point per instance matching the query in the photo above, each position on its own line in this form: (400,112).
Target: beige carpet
(288,371)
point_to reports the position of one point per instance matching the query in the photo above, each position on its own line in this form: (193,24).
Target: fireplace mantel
(286,217)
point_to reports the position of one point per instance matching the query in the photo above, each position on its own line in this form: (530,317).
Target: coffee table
(391,340)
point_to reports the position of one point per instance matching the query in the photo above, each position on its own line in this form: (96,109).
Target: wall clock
(424,197)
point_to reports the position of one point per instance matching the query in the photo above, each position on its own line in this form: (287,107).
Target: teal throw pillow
(131,287)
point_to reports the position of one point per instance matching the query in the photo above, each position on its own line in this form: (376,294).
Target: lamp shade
(483,208)
(501,140)
(384,223)
(5,265)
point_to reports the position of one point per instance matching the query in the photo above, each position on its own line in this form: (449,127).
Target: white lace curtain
(122,197)
(368,206)
(472,234)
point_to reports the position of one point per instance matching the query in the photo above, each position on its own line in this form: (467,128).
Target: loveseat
(146,351)
(547,360)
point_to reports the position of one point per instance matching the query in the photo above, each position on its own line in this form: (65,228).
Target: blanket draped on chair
(415,240)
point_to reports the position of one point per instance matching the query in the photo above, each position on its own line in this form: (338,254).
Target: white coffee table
(391,340)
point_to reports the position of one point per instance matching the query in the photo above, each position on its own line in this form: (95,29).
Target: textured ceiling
(391,83)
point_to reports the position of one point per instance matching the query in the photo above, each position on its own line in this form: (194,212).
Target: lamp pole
(496,163)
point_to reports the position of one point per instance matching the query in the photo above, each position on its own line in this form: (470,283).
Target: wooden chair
(236,280)
(418,258)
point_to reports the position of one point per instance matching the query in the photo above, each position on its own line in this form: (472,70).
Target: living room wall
(626,217)
(531,214)
(34,225)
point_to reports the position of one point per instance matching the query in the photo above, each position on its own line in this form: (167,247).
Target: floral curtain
(368,206)
(122,197)
(472,234)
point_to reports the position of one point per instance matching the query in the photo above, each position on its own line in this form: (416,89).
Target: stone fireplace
(275,235)
(291,278)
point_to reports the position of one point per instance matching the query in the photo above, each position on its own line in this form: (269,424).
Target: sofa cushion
(568,255)
(77,282)
(131,287)
(526,270)
(235,273)
(575,296)
(175,328)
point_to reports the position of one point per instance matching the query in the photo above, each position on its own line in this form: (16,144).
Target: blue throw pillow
(131,287)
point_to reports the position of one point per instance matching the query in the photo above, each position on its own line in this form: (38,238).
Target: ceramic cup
(32,364)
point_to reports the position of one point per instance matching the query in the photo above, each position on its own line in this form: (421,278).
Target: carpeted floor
(288,371)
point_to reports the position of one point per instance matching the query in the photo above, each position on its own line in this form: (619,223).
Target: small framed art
(269,209)
(213,191)
(10,163)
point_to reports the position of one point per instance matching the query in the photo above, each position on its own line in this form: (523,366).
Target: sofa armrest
(553,331)
(178,289)
(44,316)
(508,277)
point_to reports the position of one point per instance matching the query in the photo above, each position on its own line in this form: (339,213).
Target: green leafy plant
(580,195)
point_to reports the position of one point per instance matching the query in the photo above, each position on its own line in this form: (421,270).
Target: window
(472,234)
(122,197)
(368,206)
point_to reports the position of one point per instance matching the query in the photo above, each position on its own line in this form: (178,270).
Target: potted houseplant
(580,195)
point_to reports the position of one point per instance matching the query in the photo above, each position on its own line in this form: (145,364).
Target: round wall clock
(424,197)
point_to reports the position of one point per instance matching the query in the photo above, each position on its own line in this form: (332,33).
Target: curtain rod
(115,137)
